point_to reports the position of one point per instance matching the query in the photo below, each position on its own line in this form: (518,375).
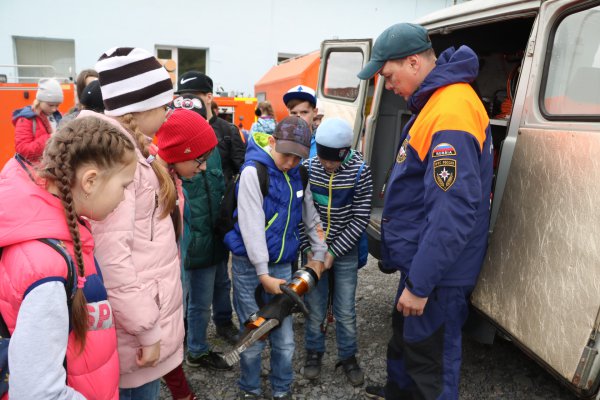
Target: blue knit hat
(334,139)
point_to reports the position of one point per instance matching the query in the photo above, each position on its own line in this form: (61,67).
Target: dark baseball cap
(293,137)
(397,41)
(194,81)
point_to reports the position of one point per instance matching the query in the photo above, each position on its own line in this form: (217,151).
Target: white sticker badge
(299,193)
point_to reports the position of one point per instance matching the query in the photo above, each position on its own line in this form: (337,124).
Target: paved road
(499,371)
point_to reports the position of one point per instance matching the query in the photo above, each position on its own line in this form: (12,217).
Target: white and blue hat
(334,139)
(301,92)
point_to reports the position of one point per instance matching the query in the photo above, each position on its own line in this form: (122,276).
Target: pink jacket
(27,213)
(140,263)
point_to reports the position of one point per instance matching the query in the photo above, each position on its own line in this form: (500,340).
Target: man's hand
(270,284)
(148,356)
(411,305)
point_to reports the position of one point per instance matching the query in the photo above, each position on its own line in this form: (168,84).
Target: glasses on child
(203,159)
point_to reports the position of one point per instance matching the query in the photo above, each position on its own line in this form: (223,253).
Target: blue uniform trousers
(424,353)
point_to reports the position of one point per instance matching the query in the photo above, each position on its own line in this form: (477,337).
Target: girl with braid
(136,244)
(62,346)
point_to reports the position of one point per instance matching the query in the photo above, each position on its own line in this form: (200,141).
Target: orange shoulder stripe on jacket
(451,108)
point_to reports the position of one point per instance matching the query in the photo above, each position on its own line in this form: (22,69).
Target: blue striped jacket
(344,204)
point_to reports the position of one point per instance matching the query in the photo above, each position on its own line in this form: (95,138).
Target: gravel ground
(499,371)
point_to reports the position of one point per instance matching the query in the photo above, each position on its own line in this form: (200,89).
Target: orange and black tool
(271,315)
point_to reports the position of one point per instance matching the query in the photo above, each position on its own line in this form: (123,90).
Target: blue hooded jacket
(27,112)
(436,212)
(282,206)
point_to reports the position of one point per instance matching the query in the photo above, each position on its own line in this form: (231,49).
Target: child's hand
(316,266)
(329,258)
(148,356)
(271,284)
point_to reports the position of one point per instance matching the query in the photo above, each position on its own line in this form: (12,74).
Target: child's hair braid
(82,141)
(168,193)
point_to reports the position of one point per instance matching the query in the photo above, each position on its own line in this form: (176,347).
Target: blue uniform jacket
(282,206)
(436,212)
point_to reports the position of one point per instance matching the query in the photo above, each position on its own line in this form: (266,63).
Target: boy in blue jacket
(342,187)
(265,241)
(435,220)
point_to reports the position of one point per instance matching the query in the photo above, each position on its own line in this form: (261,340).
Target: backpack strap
(71,283)
(263,177)
(303,175)
(360,170)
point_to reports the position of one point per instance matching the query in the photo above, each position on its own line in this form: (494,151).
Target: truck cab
(539,80)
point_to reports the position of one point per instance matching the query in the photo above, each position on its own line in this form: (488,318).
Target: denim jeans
(344,270)
(148,391)
(222,309)
(206,287)
(281,339)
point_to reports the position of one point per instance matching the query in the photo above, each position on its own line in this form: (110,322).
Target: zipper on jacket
(152,219)
(273,218)
(287,179)
(329,205)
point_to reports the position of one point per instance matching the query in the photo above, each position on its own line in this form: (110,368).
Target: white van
(540,82)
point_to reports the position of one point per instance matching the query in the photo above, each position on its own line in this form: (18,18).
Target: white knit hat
(49,90)
(132,80)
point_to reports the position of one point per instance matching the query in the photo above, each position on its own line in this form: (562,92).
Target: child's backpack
(363,242)
(70,288)
(226,220)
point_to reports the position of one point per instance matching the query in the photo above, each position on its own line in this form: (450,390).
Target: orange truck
(301,70)
(237,110)
(19,95)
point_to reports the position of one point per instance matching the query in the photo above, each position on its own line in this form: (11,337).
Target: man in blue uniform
(436,215)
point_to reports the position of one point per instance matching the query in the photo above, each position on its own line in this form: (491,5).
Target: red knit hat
(184,136)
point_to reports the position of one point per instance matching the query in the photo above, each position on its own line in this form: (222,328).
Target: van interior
(500,46)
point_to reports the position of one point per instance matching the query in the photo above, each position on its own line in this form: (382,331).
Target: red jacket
(28,143)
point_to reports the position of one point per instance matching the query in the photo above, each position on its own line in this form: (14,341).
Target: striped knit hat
(132,80)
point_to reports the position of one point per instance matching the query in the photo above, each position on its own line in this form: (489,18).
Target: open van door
(339,90)
(540,282)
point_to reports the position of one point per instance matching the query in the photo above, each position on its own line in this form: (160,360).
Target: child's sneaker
(352,370)
(211,360)
(229,332)
(375,392)
(312,365)
(247,396)
(287,396)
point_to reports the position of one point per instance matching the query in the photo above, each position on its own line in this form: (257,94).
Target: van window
(340,81)
(572,68)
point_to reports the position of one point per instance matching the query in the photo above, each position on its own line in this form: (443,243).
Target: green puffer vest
(205,192)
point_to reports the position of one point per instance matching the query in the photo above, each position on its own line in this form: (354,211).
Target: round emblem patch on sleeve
(444,173)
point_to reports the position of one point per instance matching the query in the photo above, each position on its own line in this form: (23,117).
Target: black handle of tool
(295,298)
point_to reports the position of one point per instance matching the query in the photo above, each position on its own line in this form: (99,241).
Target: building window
(44,58)
(186,59)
